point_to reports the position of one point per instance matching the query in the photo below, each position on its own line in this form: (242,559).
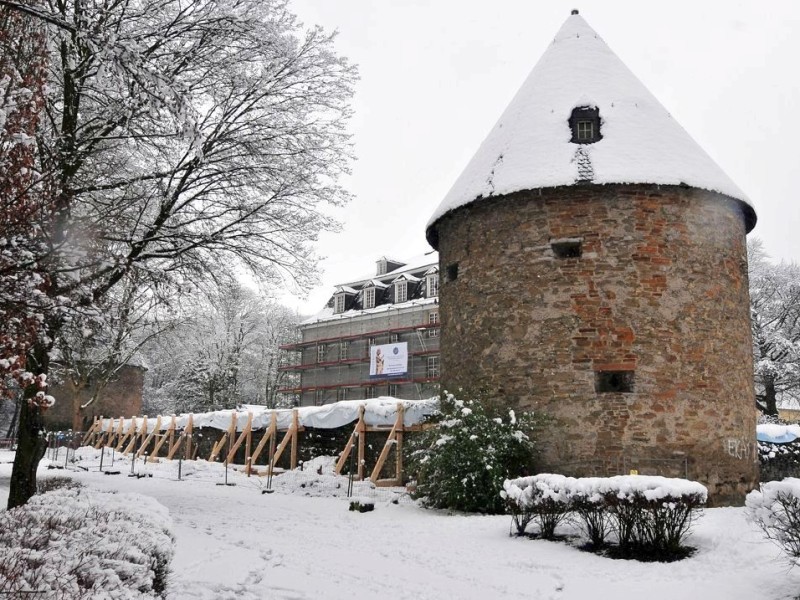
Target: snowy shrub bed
(462,460)
(650,516)
(76,543)
(775,508)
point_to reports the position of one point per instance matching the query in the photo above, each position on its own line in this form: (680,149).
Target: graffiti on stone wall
(741,449)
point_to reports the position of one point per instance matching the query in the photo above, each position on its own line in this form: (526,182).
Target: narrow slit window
(614,382)
(452,272)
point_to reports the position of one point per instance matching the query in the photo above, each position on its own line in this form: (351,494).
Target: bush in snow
(75,543)
(543,499)
(775,508)
(651,516)
(462,460)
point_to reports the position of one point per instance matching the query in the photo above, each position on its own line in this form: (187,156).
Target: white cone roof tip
(530,147)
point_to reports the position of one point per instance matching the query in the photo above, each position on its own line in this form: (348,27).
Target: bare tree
(775,311)
(176,134)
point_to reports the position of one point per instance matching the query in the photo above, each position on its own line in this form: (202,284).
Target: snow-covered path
(237,543)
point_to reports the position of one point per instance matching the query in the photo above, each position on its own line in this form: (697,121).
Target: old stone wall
(658,295)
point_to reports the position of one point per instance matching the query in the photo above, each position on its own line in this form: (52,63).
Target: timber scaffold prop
(172,437)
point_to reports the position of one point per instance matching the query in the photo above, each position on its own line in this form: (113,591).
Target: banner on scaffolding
(388,360)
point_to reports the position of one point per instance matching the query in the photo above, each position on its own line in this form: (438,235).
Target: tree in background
(176,135)
(226,353)
(775,312)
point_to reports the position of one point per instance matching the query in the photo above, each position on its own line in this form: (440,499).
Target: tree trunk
(31,440)
(770,397)
(77,413)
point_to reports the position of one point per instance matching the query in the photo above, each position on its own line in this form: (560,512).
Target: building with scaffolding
(377,336)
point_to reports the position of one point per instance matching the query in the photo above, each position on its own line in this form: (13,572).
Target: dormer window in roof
(400,291)
(432,283)
(585,125)
(338,303)
(369,297)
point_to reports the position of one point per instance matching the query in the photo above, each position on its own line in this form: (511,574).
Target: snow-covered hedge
(650,515)
(775,508)
(79,543)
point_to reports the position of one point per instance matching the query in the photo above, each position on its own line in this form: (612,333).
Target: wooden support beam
(91,432)
(104,439)
(162,440)
(248,446)
(296,427)
(290,433)
(134,434)
(398,447)
(188,434)
(229,434)
(391,440)
(271,431)
(146,442)
(242,437)
(361,427)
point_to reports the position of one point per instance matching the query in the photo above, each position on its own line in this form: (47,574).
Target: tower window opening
(611,382)
(585,125)
(567,248)
(452,272)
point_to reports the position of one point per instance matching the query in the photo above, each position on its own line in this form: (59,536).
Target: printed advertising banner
(388,360)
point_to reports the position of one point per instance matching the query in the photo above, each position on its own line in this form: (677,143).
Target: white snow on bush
(537,488)
(82,543)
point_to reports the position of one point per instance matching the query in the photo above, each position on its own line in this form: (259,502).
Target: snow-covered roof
(343,289)
(375,283)
(530,147)
(406,277)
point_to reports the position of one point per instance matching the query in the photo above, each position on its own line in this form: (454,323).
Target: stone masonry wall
(660,289)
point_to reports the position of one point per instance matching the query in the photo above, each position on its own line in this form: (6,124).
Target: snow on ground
(235,542)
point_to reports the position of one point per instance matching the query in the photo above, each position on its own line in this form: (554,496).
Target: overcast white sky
(437,74)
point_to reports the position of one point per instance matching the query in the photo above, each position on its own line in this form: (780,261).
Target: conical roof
(530,147)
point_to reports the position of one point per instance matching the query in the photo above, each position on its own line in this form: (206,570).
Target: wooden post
(398,447)
(296,428)
(90,433)
(120,430)
(248,446)
(135,433)
(162,439)
(271,431)
(362,440)
(290,433)
(357,433)
(390,441)
(226,437)
(245,433)
(150,436)
(188,432)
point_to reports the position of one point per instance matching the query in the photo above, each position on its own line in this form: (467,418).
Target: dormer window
(381,270)
(338,303)
(585,125)
(400,291)
(369,297)
(432,285)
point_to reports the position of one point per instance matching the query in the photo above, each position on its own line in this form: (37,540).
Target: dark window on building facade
(585,125)
(610,382)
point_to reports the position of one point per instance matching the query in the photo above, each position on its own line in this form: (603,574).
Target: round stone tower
(594,268)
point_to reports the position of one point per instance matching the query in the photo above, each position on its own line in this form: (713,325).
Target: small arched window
(585,125)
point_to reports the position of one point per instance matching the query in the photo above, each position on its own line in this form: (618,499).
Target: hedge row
(650,516)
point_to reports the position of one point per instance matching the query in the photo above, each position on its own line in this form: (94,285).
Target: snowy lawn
(233,542)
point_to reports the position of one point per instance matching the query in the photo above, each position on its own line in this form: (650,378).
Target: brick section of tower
(660,288)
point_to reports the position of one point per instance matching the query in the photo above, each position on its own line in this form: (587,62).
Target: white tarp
(377,412)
